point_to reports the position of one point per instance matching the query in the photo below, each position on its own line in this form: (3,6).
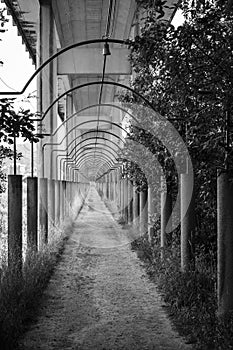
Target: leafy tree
(186,73)
(14,124)
(3,21)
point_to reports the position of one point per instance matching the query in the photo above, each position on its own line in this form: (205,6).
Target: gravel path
(99,297)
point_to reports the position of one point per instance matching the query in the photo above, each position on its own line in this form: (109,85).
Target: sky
(17,66)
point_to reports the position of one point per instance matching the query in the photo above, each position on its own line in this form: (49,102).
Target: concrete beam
(88,61)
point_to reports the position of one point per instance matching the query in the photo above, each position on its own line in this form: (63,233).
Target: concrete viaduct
(79,48)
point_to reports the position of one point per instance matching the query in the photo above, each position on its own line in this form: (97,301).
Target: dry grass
(19,294)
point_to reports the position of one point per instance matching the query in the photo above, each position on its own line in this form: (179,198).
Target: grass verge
(19,295)
(190,298)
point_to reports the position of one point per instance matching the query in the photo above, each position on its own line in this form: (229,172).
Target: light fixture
(106,50)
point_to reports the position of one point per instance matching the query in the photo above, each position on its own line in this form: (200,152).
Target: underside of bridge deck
(46,28)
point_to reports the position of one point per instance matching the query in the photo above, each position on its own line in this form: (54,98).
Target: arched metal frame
(78,125)
(71,157)
(107,159)
(84,140)
(60,52)
(103,160)
(68,161)
(100,153)
(82,110)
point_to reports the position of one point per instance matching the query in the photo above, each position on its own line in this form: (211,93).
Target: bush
(190,297)
(19,294)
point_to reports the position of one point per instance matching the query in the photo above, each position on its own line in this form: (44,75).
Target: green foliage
(190,297)
(13,124)
(19,296)
(187,75)
(16,123)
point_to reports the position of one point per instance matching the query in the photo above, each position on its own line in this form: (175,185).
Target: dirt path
(99,297)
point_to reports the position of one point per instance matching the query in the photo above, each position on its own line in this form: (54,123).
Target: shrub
(19,293)
(190,297)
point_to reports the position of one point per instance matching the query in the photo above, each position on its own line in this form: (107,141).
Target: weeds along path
(99,297)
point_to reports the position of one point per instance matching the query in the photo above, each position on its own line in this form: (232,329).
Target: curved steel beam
(100,155)
(90,138)
(60,52)
(78,144)
(82,153)
(98,82)
(76,126)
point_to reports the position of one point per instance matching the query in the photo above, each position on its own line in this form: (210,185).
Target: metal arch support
(90,138)
(100,151)
(60,52)
(101,156)
(104,82)
(76,126)
(102,162)
(65,160)
(87,108)
(99,148)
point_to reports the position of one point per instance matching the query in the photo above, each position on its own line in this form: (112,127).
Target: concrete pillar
(115,187)
(67,199)
(125,209)
(151,212)
(136,207)
(32,213)
(187,224)
(51,200)
(63,200)
(143,212)
(166,211)
(15,223)
(225,243)
(130,201)
(43,210)
(57,201)
(107,186)
(47,81)
(122,198)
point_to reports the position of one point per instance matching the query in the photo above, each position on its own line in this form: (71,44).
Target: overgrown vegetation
(190,297)
(186,74)
(19,295)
